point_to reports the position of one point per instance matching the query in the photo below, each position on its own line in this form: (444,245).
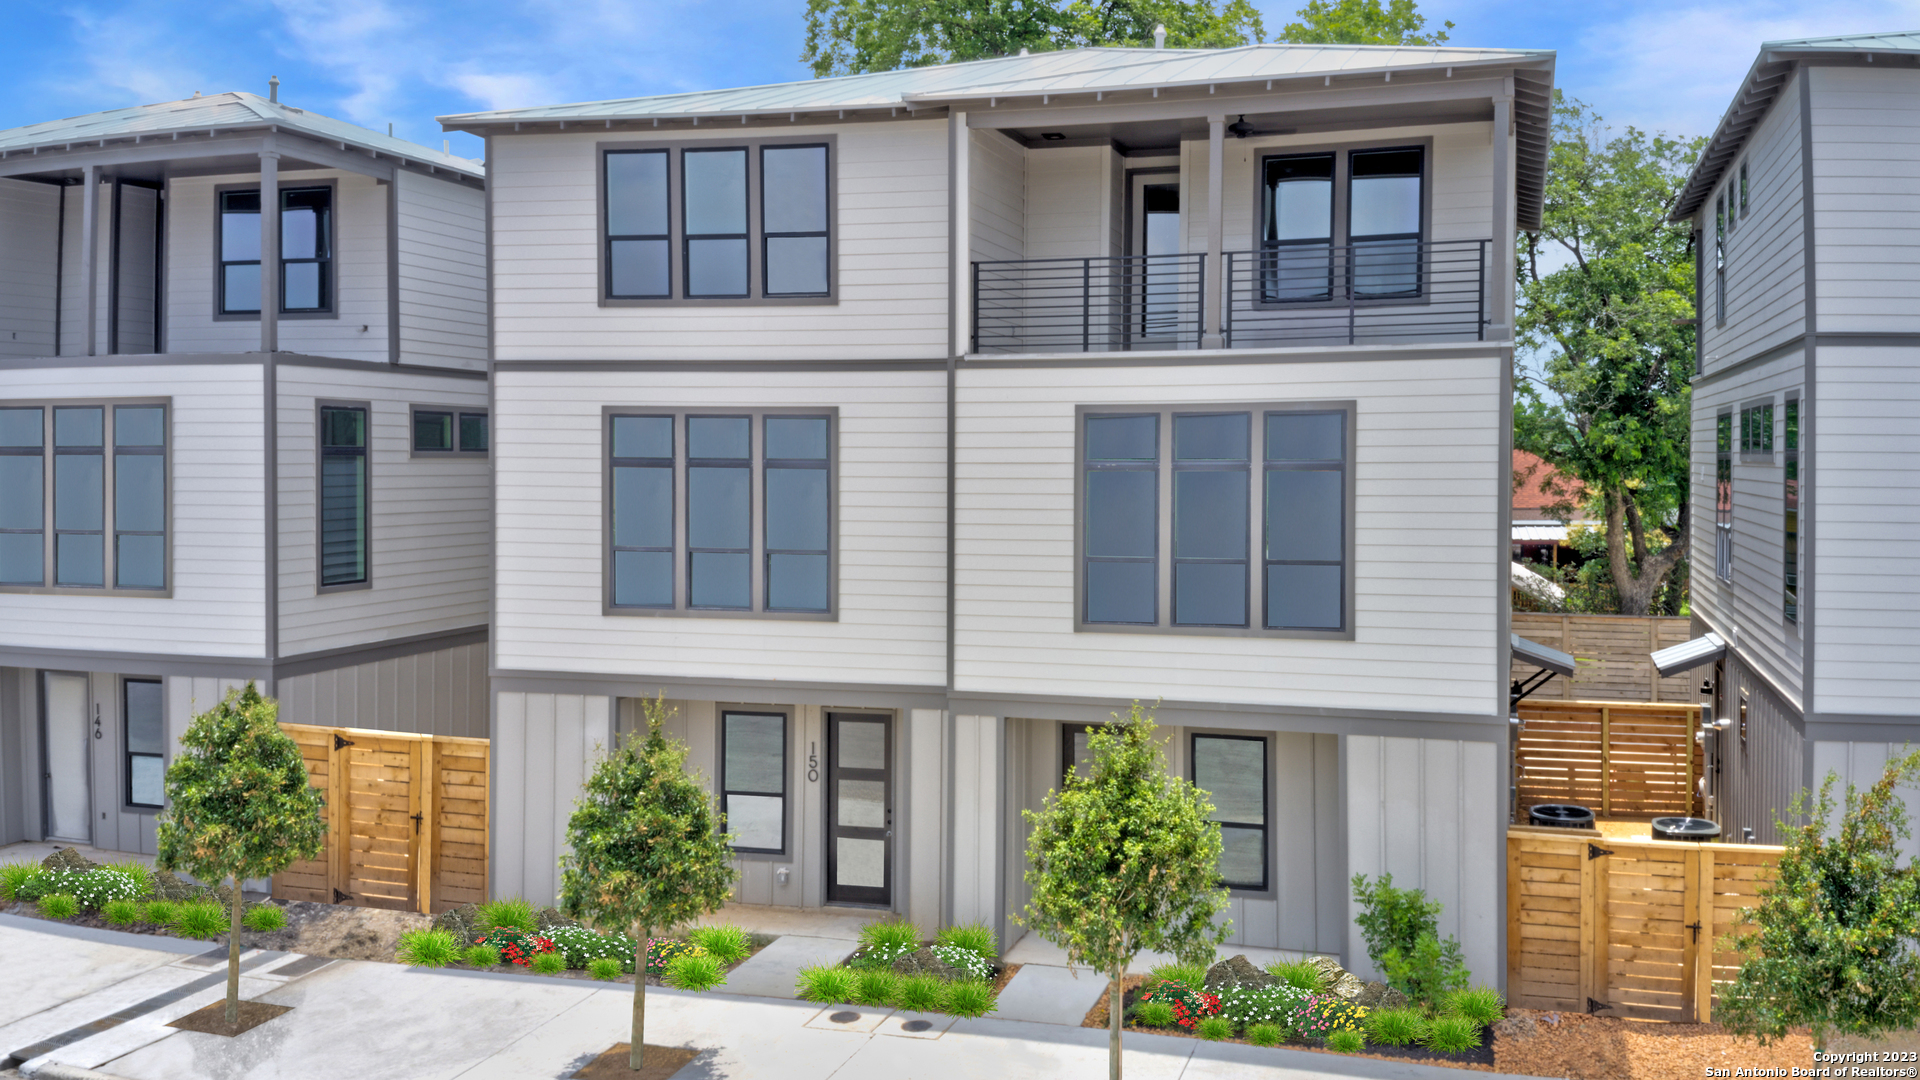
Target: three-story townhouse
(897,427)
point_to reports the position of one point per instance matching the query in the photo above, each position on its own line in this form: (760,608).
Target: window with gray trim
(1168,528)
(83,496)
(306,251)
(146,743)
(448,431)
(1720,259)
(753,779)
(1374,197)
(1232,770)
(1756,432)
(344,501)
(720,512)
(1790,540)
(1723,495)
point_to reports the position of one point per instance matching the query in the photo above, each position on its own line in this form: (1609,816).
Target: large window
(1232,770)
(1723,495)
(83,496)
(1373,198)
(146,749)
(344,498)
(720,512)
(739,222)
(306,251)
(1169,531)
(1791,537)
(753,779)
(442,432)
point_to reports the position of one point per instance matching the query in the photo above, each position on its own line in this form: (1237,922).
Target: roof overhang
(1689,655)
(1544,657)
(198,148)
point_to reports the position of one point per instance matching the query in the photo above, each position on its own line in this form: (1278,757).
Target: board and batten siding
(428,516)
(1862,764)
(443,692)
(1431,813)
(890,235)
(1866,510)
(20,768)
(549,448)
(1866,198)
(997,196)
(359,271)
(217,516)
(544,748)
(1429,464)
(442,239)
(29,261)
(1765,250)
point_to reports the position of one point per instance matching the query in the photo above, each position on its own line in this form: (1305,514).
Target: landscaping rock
(1236,972)
(548,918)
(168,887)
(1517,1028)
(1378,995)
(923,961)
(68,859)
(463,922)
(1339,981)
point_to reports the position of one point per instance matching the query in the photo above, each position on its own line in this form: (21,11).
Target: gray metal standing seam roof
(215,112)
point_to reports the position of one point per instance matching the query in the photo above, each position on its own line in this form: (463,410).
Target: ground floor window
(1232,770)
(146,764)
(753,773)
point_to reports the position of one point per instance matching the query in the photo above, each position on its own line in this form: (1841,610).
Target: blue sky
(1669,66)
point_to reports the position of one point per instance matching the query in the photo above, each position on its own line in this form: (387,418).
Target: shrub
(969,998)
(549,963)
(1189,1006)
(1153,1014)
(1299,974)
(893,932)
(826,984)
(920,993)
(1402,931)
(662,952)
(12,876)
(972,963)
(726,943)
(1452,1035)
(512,914)
(1397,1027)
(976,938)
(96,887)
(1346,1042)
(59,906)
(516,946)
(1482,1005)
(1250,1005)
(428,948)
(121,912)
(875,986)
(605,968)
(1184,974)
(1320,1015)
(486,956)
(582,945)
(47,882)
(695,971)
(264,918)
(1215,1028)
(200,919)
(1430,974)
(1266,1034)
(160,912)
(139,873)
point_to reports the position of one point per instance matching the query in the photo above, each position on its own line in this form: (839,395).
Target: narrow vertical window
(1723,496)
(643,511)
(343,495)
(146,753)
(793,220)
(753,779)
(1744,208)
(1210,510)
(1383,221)
(239,252)
(306,250)
(714,187)
(1232,770)
(797,512)
(638,242)
(140,496)
(79,496)
(1720,259)
(1122,524)
(1296,236)
(23,479)
(1791,540)
(1306,520)
(719,512)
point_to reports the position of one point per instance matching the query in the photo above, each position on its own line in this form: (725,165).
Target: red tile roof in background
(1530,474)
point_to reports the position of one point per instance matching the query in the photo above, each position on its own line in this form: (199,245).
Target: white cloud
(369,45)
(130,54)
(507,91)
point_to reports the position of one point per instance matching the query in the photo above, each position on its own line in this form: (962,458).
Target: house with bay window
(243,436)
(898,428)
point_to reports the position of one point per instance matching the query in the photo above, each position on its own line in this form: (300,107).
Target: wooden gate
(406,820)
(1625,927)
(1616,758)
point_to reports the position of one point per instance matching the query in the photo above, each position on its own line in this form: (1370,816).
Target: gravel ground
(1583,1047)
(344,933)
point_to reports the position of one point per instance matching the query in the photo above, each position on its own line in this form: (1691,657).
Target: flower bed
(129,896)
(957,972)
(512,934)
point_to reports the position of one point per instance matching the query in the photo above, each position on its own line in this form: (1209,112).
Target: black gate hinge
(1595,1006)
(1594,851)
(341,897)
(340,743)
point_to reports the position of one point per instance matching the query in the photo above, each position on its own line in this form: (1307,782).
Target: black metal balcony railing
(1382,292)
(1100,304)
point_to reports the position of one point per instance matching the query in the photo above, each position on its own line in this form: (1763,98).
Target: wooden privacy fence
(406,820)
(1610,656)
(1625,927)
(1618,759)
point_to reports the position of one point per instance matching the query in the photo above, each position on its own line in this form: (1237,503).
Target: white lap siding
(443,272)
(1866,201)
(29,255)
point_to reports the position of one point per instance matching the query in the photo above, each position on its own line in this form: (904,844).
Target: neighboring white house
(1806,447)
(895,427)
(193,496)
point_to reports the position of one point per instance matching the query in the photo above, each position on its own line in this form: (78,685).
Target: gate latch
(416,825)
(1594,850)
(1695,927)
(340,743)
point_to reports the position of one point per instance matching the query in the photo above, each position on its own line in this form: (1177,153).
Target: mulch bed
(1584,1047)
(661,1063)
(213,1019)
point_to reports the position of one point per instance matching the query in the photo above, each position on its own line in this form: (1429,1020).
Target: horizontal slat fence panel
(1621,759)
(459,837)
(308,879)
(1611,656)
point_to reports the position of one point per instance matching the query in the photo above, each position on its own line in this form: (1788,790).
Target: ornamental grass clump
(605,968)
(1214,1028)
(874,986)
(1452,1035)
(920,993)
(549,963)
(882,943)
(976,938)
(969,998)
(160,912)
(509,914)
(1346,1042)
(1397,1027)
(1157,1014)
(12,876)
(1184,974)
(1299,974)
(59,906)
(201,920)
(428,948)
(486,956)
(1266,1034)
(1481,1004)
(121,912)
(826,984)
(264,918)
(695,971)
(726,943)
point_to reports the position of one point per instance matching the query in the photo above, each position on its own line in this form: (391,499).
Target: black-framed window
(1745,207)
(306,251)
(639,234)
(1790,540)
(1076,753)
(103,490)
(1723,495)
(721,512)
(1384,219)
(714,222)
(794,220)
(146,743)
(1232,770)
(1720,259)
(448,431)
(1371,200)
(753,779)
(1756,430)
(1297,227)
(344,497)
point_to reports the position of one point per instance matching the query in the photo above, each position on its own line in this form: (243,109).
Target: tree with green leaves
(1124,859)
(238,806)
(1837,940)
(1610,330)
(645,849)
(1362,22)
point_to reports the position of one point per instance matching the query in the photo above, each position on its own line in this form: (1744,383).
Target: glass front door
(64,735)
(1157,274)
(859,808)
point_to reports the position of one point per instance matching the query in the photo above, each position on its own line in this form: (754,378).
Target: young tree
(1125,859)
(645,849)
(1362,22)
(1838,944)
(1611,402)
(238,806)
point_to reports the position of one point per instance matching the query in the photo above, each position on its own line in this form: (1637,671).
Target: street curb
(57,1071)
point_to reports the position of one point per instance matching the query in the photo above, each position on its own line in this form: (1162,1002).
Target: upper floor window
(748,221)
(345,536)
(439,432)
(1790,437)
(1373,198)
(721,512)
(84,496)
(1169,531)
(1756,433)
(1745,209)
(306,251)
(1720,259)
(1723,495)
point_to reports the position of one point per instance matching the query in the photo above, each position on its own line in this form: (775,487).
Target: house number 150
(813,763)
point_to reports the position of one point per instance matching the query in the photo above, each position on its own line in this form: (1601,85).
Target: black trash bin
(1684,828)
(1561,816)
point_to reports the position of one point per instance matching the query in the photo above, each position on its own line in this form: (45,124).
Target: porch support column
(960,233)
(1210,305)
(90,254)
(269,247)
(1500,259)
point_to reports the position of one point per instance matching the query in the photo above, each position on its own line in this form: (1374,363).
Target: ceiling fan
(1240,129)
